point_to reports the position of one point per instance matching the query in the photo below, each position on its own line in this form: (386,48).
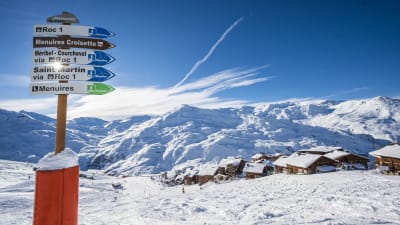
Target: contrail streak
(210,52)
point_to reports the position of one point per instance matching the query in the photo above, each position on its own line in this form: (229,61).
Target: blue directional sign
(83,31)
(71,56)
(41,73)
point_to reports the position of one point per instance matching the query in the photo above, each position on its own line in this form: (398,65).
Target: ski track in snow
(345,197)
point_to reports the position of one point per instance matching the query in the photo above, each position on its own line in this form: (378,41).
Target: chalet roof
(337,154)
(257,156)
(387,151)
(190,173)
(302,160)
(281,161)
(230,161)
(323,149)
(254,168)
(208,169)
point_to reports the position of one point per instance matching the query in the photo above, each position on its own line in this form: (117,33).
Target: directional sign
(83,31)
(71,56)
(71,42)
(70,73)
(70,88)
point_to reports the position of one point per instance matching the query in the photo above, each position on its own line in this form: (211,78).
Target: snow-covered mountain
(190,135)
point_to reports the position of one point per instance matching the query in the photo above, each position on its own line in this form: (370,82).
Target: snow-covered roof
(337,154)
(190,173)
(254,168)
(281,161)
(257,156)
(230,160)
(302,160)
(208,169)
(387,151)
(324,149)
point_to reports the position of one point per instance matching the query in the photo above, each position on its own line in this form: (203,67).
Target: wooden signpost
(62,65)
(52,50)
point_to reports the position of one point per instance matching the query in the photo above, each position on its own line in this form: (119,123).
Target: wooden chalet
(231,166)
(258,169)
(347,160)
(304,163)
(191,177)
(387,159)
(206,173)
(280,164)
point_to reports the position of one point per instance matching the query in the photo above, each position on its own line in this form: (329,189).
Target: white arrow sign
(70,88)
(70,56)
(70,73)
(83,31)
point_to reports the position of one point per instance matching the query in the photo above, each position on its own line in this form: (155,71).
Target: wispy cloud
(209,53)
(129,101)
(346,92)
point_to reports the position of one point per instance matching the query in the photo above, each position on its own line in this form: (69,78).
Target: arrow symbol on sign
(99,89)
(100,74)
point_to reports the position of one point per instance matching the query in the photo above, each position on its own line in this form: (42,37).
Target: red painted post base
(56,197)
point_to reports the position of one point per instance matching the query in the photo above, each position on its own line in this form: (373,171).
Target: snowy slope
(379,117)
(345,197)
(188,135)
(27,136)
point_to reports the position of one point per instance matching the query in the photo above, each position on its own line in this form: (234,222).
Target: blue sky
(239,51)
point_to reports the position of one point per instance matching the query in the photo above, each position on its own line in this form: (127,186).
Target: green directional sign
(99,89)
(70,88)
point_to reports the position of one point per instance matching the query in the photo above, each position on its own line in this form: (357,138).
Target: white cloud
(42,105)
(129,101)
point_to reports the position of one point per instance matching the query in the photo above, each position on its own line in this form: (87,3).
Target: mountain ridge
(189,135)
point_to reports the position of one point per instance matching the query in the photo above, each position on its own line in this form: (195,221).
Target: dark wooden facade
(353,159)
(232,170)
(393,164)
(322,161)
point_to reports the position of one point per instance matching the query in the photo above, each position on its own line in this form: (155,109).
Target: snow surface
(65,159)
(345,197)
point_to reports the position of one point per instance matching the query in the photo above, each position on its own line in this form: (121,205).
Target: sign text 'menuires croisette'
(69,42)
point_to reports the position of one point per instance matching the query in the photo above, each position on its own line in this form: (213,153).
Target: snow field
(345,197)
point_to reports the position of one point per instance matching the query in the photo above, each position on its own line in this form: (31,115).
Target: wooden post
(61,123)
